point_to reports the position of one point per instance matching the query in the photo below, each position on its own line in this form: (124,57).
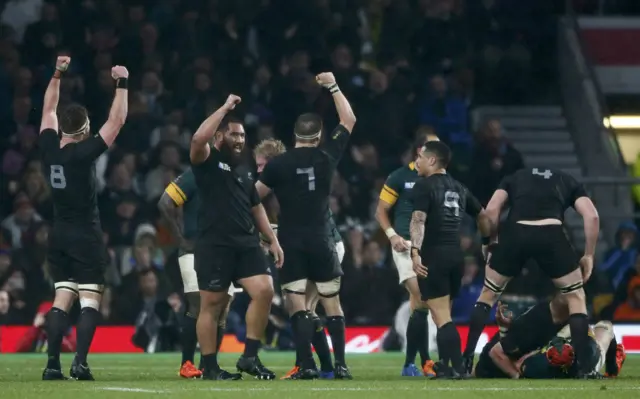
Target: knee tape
(329,289)
(67,286)
(568,289)
(188,273)
(493,287)
(89,303)
(295,287)
(95,288)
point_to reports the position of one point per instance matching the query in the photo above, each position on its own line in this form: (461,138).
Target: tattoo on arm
(416,228)
(173,215)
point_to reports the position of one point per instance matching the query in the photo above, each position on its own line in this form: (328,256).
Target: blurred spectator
(470,287)
(630,309)
(35,338)
(20,221)
(619,260)
(446,113)
(494,158)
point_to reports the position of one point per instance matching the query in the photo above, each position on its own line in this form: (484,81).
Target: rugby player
(265,151)
(538,199)
(301,181)
(227,248)
(77,255)
(395,195)
(179,205)
(438,202)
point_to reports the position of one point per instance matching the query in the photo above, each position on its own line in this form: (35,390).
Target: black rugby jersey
(444,200)
(301,180)
(539,193)
(70,172)
(227,194)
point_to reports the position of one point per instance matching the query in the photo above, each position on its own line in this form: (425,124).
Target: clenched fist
(326,79)
(231,102)
(119,71)
(62,63)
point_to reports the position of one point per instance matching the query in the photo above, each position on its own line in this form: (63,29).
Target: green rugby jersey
(397,193)
(184,193)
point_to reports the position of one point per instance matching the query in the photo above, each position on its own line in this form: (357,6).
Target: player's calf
(417,336)
(57,323)
(90,297)
(329,296)
(447,336)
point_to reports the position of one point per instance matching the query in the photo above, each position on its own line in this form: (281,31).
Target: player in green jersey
(395,196)
(179,206)
(264,152)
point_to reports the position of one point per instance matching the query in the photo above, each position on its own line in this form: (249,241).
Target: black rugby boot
(253,366)
(221,375)
(341,372)
(306,374)
(80,372)
(52,375)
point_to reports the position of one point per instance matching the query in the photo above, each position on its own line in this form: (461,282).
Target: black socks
(449,346)
(416,337)
(87,323)
(579,326)
(210,362)
(251,347)
(321,345)
(57,325)
(188,337)
(303,332)
(335,327)
(479,316)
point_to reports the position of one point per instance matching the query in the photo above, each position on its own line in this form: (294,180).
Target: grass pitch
(375,376)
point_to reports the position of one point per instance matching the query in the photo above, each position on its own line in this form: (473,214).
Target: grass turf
(376,376)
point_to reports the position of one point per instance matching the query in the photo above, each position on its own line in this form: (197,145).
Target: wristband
(122,83)
(333,88)
(486,240)
(57,74)
(390,232)
(415,250)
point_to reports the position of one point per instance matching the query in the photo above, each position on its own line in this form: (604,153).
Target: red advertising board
(358,339)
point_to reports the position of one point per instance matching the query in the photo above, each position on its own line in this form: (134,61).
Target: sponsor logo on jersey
(224,166)
(409,184)
(250,176)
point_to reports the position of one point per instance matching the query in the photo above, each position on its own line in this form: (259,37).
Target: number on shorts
(57,178)
(452,200)
(546,174)
(310,175)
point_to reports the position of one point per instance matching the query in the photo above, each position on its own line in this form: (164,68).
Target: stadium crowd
(410,67)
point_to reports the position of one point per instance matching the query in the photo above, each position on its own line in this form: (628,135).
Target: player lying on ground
(395,195)
(438,203)
(77,255)
(538,199)
(535,352)
(263,153)
(301,181)
(227,248)
(179,206)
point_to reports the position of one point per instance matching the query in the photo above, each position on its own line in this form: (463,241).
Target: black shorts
(530,331)
(77,255)
(309,258)
(219,266)
(445,266)
(547,245)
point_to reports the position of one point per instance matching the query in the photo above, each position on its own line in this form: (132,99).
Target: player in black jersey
(227,245)
(301,181)
(77,256)
(439,202)
(538,199)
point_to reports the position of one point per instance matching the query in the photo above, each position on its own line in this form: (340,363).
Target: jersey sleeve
(183,188)
(336,143)
(421,196)
(48,139)
(90,149)
(391,189)
(473,207)
(505,183)
(576,189)
(270,175)
(254,197)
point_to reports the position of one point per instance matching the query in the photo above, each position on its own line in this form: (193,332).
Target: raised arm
(345,113)
(52,95)
(200,149)
(119,108)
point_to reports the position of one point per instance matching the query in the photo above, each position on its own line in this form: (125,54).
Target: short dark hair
(440,150)
(73,118)
(227,120)
(307,126)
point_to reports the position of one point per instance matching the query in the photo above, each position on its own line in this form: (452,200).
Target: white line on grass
(137,390)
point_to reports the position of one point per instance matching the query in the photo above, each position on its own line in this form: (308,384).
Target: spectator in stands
(470,288)
(630,309)
(35,186)
(446,113)
(35,338)
(619,260)
(24,216)
(493,159)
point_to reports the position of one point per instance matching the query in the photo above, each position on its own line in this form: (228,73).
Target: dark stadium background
(492,78)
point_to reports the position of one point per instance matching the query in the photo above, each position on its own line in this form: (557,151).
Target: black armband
(486,240)
(122,83)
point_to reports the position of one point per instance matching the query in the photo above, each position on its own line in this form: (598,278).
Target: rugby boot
(591,375)
(467,364)
(52,375)
(341,372)
(327,375)
(411,371)
(80,372)
(427,369)
(253,366)
(305,374)
(444,372)
(621,356)
(291,372)
(221,375)
(188,370)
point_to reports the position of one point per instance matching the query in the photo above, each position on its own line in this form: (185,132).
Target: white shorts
(340,250)
(404,264)
(190,278)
